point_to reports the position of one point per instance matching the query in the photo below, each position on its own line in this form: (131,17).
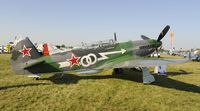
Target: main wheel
(118,71)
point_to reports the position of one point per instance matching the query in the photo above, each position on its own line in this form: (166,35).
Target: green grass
(180,90)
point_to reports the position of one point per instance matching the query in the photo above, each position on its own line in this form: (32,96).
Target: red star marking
(73,60)
(25,51)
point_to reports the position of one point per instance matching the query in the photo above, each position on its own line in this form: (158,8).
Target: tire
(118,71)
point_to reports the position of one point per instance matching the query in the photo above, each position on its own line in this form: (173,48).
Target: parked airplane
(195,55)
(90,59)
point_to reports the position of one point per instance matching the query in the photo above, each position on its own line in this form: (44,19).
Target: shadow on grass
(181,72)
(21,85)
(74,78)
(166,82)
(136,76)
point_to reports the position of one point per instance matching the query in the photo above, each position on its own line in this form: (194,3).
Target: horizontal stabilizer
(32,64)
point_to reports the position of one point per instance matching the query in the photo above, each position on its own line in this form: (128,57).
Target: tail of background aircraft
(23,53)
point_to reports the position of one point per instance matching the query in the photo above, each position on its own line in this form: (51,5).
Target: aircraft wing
(144,63)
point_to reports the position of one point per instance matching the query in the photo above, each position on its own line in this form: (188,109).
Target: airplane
(92,58)
(6,48)
(194,55)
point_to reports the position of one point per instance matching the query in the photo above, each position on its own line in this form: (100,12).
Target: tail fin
(23,52)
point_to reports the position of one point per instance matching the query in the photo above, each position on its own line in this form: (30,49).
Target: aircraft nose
(159,43)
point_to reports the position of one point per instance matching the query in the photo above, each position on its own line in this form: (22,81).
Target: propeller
(163,33)
(160,37)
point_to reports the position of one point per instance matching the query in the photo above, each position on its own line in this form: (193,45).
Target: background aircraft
(194,55)
(90,59)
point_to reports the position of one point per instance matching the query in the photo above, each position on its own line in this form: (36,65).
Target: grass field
(179,91)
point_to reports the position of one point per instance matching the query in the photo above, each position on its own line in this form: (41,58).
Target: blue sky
(72,21)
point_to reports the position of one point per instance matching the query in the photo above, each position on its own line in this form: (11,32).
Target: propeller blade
(115,36)
(160,47)
(144,37)
(157,52)
(163,33)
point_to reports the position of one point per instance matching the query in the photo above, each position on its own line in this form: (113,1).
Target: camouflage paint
(46,64)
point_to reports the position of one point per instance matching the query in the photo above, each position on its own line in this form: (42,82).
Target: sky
(71,22)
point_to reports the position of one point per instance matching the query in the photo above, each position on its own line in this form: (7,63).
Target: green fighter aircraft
(26,59)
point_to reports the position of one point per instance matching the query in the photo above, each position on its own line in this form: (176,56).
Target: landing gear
(118,71)
(147,77)
(35,77)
